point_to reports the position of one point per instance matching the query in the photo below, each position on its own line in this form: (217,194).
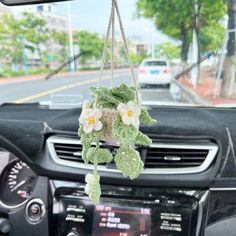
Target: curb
(190,96)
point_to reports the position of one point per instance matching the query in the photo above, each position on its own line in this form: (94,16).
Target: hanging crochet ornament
(114,116)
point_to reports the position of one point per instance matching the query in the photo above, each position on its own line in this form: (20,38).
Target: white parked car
(154,72)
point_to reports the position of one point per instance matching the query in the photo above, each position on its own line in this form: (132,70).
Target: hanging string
(112,42)
(115,9)
(127,51)
(104,54)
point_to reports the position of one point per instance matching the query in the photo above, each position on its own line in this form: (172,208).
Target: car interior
(186,186)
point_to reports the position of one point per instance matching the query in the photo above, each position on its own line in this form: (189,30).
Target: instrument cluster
(17,180)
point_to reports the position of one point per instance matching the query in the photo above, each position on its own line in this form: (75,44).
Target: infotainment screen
(121,221)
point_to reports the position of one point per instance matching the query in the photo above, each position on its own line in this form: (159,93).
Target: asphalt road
(71,90)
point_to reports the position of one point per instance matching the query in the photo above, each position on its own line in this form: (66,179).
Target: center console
(126,211)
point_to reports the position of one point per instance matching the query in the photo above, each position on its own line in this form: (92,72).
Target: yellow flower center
(130,114)
(91,120)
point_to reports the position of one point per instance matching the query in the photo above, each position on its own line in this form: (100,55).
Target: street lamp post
(70,33)
(153,44)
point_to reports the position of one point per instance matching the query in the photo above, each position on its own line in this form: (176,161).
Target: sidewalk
(206,88)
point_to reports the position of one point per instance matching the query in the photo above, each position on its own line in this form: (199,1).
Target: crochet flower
(129,113)
(90,119)
(89,179)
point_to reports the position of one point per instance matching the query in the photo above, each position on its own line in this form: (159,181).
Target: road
(71,90)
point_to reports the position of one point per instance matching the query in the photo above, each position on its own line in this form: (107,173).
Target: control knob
(73,233)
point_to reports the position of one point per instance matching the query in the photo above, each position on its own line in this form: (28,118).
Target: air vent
(69,152)
(175,157)
(160,158)
(73,152)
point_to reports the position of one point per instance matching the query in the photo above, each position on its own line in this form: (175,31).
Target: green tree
(17,35)
(61,38)
(211,37)
(177,18)
(35,32)
(168,50)
(90,43)
(11,49)
(227,89)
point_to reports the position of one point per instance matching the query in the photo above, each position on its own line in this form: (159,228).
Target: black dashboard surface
(24,129)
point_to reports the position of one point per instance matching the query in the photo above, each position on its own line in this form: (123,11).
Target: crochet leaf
(129,162)
(142,139)
(99,156)
(110,98)
(124,134)
(95,191)
(86,141)
(123,94)
(145,118)
(97,135)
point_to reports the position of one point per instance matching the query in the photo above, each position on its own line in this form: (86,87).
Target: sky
(93,15)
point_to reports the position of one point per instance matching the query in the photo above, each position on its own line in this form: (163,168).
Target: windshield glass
(183,52)
(154,63)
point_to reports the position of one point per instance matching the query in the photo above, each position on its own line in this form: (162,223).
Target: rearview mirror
(27,2)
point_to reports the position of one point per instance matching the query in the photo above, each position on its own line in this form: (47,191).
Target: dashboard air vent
(158,157)
(162,157)
(69,152)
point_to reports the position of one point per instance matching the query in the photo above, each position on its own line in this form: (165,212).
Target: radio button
(73,234)
(75,209)
(75,219)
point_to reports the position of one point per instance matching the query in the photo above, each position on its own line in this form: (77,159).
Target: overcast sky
(93,15)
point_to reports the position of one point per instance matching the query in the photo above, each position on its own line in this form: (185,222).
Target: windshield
(154,63)
(183,52)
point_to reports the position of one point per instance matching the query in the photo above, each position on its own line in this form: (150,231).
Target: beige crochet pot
(108,116)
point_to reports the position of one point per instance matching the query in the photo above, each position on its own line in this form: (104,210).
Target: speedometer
(18,182)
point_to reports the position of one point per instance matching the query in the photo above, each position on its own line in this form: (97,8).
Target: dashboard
(188,186)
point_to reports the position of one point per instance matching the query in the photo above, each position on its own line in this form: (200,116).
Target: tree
(61,38)
(228,82)
(35,32)
(211,37)
(90,43)
(168,50)
(177,18)
(10,46)
(28,32)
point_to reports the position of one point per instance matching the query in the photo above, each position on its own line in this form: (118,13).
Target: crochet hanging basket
(113,116)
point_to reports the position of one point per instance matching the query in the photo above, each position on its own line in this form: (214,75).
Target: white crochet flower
(129,113)
(90,119)
(89,179)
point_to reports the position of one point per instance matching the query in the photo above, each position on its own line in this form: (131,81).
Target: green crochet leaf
(86,141)
(99,156)
(95,192)
(97,135)
(142,139)
(123,94)
(110,98)
(124,134)
(129,162)
(145,118)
